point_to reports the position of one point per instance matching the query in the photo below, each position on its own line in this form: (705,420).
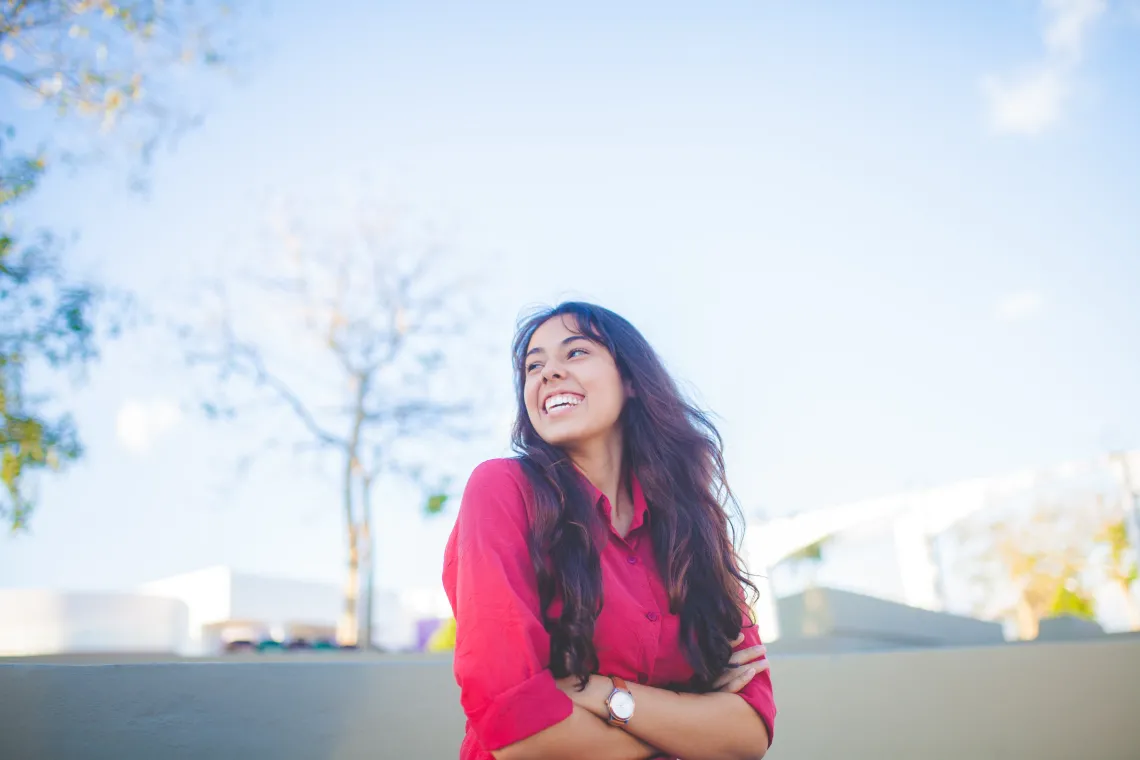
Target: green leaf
(435,503)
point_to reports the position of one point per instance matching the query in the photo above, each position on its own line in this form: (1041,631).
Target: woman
(598,599)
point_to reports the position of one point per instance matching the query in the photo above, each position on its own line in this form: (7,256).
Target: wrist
(598,691)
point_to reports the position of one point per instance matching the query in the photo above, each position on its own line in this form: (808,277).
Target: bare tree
(355,334)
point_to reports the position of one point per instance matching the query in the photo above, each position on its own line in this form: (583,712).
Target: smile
(560,403)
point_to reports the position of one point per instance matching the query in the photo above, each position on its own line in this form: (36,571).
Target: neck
(602,465)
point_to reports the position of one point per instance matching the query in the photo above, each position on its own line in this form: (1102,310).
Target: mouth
(561,403)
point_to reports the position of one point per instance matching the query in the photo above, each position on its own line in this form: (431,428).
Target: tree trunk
(346,634)
(1027,622)
(350,623)
(368,574)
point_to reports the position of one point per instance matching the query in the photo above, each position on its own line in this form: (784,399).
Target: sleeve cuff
(532,706)
(761,701)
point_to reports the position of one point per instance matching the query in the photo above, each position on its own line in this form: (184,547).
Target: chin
(563,439)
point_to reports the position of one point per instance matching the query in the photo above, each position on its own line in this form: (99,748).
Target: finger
(725,678)
(738,683)
(738,640)
(747,655)
(738,660)
(732,676)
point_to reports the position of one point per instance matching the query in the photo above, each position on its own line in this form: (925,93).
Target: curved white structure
(916,517)
(50,622)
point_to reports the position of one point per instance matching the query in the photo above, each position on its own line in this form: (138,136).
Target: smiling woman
(600,606)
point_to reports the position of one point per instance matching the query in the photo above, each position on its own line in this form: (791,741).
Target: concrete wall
(38,622)
(826,621)
(1067,628)
(1042,701)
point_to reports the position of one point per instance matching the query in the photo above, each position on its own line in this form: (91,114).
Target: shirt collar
(640,506)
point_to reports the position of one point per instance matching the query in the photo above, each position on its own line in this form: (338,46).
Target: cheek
(530,398)
(608,394)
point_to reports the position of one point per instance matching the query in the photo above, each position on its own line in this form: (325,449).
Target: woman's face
(573,392)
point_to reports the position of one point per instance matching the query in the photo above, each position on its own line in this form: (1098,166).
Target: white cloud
(1030,102)
(1027,104)
(139,424)
(1019,306)
(1068,23)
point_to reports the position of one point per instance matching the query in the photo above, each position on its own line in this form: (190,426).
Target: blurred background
(261,264)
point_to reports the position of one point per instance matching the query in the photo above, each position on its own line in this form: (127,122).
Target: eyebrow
(565,342)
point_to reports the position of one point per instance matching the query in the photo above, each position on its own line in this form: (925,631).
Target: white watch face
(621,705)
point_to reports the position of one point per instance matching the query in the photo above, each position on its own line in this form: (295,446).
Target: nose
(552,370)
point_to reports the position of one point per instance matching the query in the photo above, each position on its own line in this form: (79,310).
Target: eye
(575,351)
(533,366)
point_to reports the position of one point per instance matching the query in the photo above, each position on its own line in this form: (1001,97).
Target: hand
(593,697)
(742,667)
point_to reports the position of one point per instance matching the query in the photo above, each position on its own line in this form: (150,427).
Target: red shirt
(502,650)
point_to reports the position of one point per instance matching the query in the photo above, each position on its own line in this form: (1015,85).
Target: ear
(629,392)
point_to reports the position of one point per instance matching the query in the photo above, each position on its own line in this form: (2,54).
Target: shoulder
(497,485)
(497,474)
(493,514)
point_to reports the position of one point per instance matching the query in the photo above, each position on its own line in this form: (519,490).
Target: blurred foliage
(110,65)
(92,63)
(42,318)
(436,503)
(1120,565)
(807,561)
(1037,564)
(18,174)
(1067,602)
(813,552)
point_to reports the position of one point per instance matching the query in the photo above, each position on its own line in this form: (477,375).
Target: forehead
(553,331)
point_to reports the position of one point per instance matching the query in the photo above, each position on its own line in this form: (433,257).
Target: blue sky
(890,246)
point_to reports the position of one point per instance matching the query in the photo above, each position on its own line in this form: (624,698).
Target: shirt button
(651,617)
(631,560)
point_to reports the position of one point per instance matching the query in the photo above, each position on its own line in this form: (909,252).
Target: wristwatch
(619,703)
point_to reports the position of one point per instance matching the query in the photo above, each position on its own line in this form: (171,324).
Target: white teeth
(562,399)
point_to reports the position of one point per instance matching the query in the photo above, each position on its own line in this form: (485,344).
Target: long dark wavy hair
(676,452)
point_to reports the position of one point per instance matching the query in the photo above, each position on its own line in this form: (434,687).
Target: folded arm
(714,726)
(580,735)
(513,704)
(733,723)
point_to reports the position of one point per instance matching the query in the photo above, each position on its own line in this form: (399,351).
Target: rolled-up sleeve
(502,649)
(758,691)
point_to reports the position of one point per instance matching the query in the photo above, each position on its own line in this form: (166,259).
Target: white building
(197,613)
(224,604)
